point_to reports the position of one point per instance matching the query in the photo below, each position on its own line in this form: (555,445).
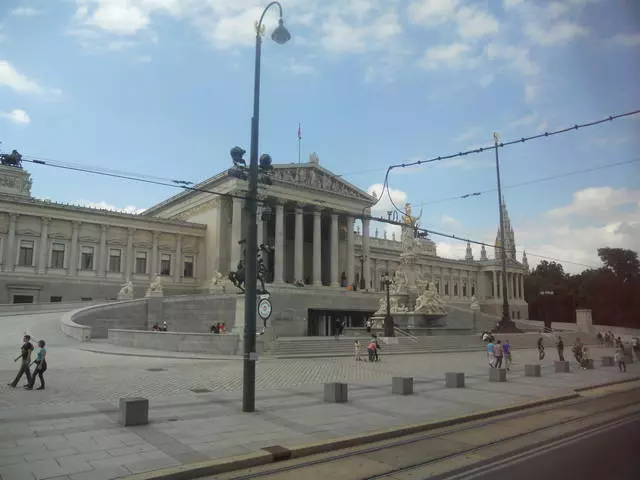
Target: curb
(608,384)
(274,454)
(157,355)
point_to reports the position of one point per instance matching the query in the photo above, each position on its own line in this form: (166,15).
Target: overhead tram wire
(212,192)
(499,145)
(532,182)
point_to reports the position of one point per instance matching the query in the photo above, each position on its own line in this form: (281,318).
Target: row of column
(279,252)
(102,254)
(515,285)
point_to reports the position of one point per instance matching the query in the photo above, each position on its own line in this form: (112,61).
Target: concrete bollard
(402,385)
(562,367)
(497,374)
(454,379)
(607,361)
(588,364)
(628,357)
(134,411)
(336,392)
(533,370)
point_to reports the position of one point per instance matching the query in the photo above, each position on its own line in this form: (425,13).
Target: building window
(25,258)
(57,255)
(165,264)
(86,258)
(473,290)
(455,289)
(446,288)
(141,263)
(115,255)
(464,289)
(188,267)
(55,299)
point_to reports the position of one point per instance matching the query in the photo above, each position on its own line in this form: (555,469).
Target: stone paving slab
(82,440)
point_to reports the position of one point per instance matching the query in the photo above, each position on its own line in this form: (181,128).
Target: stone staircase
(309,347)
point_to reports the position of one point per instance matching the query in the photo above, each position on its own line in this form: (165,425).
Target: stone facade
(317,223)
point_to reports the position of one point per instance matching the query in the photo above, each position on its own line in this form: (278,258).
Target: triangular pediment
(317,178)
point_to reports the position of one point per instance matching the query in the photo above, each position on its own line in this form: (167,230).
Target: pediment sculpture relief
(316,178)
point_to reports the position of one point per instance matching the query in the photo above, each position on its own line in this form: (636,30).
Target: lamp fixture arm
(264,12)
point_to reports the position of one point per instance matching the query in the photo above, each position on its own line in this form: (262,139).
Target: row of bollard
(339,393)
(135,411)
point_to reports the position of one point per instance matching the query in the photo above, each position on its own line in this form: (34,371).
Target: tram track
(584,402)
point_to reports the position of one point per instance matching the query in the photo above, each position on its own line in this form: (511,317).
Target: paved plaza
(70,430)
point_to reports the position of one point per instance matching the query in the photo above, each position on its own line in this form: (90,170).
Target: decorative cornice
(59,236)
(142,245)
(88,239)
(46,220)
(117,241)
(29,232)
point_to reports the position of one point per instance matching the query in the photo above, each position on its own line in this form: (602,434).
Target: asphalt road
(611,455)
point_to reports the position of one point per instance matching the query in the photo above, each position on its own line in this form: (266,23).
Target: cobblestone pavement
(70,431)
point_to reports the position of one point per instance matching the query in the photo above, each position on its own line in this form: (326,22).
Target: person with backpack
(25,361)
(41,367)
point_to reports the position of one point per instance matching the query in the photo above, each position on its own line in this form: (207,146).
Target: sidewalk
(82,440)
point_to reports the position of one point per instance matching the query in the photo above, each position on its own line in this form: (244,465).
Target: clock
(264,308)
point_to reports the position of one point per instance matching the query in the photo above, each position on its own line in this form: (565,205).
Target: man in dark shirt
(25,361)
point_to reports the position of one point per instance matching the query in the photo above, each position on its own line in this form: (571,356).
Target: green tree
(623,263)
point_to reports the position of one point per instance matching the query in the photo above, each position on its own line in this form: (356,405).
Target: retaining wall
(228,344)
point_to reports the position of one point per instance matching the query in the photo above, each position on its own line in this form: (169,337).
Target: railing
(404,333)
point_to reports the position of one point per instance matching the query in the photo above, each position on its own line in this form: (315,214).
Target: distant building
(53,252)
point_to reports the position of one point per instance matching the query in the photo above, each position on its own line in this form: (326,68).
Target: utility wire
(531,182)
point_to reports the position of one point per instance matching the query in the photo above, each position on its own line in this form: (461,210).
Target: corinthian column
(317,247)
(10,259)
(335,252)
(236,233)
(367,252)
(102,252)
(278,261)
(350,252)
(299,245)
(44,245)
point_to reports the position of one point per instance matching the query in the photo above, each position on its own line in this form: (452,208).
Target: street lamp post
(280,35)
(362,281)
(505,322)
(388,319)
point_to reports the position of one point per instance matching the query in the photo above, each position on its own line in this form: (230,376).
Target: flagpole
(299,140)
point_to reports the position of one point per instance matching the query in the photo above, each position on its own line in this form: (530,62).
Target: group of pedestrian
(498,352)
(219,328)
(26,352)
(606,339)
(160,328)
(373,347)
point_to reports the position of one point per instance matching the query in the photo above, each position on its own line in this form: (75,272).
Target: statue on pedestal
(428,301)
(219,283)
(155,288)
(126,291)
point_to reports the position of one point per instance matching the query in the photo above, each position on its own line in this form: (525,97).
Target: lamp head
(280,35)
(265,162)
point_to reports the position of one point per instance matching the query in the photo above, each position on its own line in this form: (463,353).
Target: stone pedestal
(336,392)
(533,370)
(454,380)
(607,361)
(562,367)
(584,321)
(134,411)
(238,326)
(588,364)
(153,294)
(497,374)
(15,181)
(125,296)
(402,385)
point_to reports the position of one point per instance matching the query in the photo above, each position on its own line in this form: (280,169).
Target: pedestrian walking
(498,353)
(540,349)
(560,348)
(506,348)
(490,355)
(356,346)
(25,361)
(622,365)
(41,367)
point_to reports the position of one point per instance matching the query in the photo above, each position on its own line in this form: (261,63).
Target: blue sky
(164,87)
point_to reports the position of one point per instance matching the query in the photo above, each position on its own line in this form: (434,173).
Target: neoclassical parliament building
(316,222)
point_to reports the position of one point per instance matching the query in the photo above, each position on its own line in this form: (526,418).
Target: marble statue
(126,291)
(219,283)
(428,301)
(474,304)
(155,287)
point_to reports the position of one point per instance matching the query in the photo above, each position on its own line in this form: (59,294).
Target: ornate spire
(525,262)
(509,236)
(469,255)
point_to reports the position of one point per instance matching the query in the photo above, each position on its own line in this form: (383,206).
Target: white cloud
(342,37)
(384,206)
(120,19)
(559,33)
(475,23)
(449,221)
(17,116)
(454,56)
(26,12)
(10,77)
(299,68)
(596,202)
(523,121)
(469,134)
(626,39)
(530,93)
(453,249)
(517,58)
(102,205)
(432,12)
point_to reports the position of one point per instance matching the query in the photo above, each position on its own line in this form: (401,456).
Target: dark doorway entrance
(322,323)
(23,299)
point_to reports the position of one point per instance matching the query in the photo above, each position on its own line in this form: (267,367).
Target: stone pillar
(44,245)
(102,251)
(10,259)
(177,274)
(278,263)
(74,254)
(128,270)
(236,233)
(366,252)
(496,293)
(350,253)
(317,247)
(335,251)
(154,256)
(298,262)
(521,287)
